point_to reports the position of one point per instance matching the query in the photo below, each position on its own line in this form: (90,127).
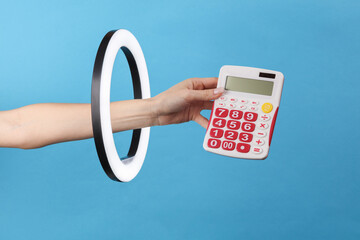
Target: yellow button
(267,107)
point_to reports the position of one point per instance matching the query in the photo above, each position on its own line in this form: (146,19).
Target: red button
(231,135)
(219,122)
(228,145)
(235,114)
(250,116)
(248,127)
(221,112)
(243,147)
(216,133)
(232,124)
(214,143)
(245,137)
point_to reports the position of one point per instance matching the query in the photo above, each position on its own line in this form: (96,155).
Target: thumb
(207,94)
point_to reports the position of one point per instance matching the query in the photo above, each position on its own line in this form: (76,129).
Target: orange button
(267,107)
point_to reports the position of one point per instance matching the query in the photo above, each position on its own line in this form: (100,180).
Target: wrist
(154,106)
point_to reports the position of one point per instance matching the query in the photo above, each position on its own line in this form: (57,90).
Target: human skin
(42,124)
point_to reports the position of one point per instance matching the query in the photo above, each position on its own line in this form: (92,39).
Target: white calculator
(242,120)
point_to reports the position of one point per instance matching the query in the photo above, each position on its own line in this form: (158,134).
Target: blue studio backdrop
(308,187)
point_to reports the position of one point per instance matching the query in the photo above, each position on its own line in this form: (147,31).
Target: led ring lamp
(124,169)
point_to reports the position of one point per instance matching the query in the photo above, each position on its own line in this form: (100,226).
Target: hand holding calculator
(242,120)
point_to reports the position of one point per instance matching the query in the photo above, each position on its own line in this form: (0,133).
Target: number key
(248,127)
(228,145)
(245,137)
(221,112)
(232,124)
(214,143)
(235,114)
(216,133)
(231,135)
(219,122)
(250,116)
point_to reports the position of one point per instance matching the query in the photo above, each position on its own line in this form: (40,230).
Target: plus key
(259,142)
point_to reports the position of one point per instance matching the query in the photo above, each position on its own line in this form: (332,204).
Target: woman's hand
(184,101)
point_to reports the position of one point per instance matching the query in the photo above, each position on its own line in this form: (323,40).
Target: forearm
(43,124)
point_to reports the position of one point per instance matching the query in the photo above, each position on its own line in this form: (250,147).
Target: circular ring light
(118,169)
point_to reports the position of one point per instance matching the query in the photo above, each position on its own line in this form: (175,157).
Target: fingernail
(218,90)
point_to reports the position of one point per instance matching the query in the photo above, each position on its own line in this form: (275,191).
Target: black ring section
(95,104)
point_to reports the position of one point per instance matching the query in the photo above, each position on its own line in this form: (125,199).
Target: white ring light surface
(126,169)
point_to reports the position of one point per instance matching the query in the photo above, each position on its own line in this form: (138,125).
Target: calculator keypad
(239,125)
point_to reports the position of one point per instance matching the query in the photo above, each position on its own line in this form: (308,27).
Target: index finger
(204,83)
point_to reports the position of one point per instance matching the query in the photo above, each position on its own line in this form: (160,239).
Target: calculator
(242,120)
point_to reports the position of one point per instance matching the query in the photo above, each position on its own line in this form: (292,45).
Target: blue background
(308,188)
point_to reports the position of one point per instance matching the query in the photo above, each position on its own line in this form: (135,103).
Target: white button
(222,98)
(256,150)
(254,102)
(253,108)
(259,142)
(244,101)
(260,134)
(265,117)
(233,100)
(232,105)
(221,104)
(242,107)
(262,126)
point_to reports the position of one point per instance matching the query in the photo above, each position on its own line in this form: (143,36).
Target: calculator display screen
(249,85)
